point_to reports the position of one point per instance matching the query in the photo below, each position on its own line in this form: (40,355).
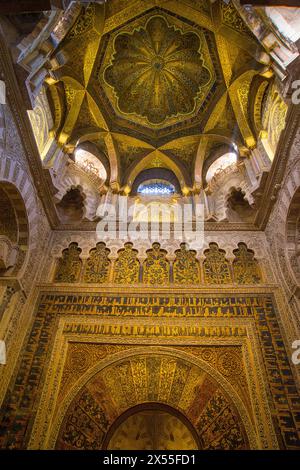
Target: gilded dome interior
(157,71)
(164,82)
(165,85)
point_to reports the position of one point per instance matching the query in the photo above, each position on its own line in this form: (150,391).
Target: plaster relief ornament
(186,266)
(156,267)
(245,266)
(127,266)
(98,264)
(69,265)
(157,71)
(216,267)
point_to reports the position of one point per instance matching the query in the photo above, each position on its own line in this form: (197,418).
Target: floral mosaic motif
(232,19)
(87,415)
(84,23)
(69,265)
(97,265)
(156,267)
(219,427)
(157,71)
(127,266)
(245,266)
(164,379)
(229,364)
(186,267)
(216,267)
(22,398)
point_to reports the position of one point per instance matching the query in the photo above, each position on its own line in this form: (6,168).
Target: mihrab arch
(205,404)
(152,426)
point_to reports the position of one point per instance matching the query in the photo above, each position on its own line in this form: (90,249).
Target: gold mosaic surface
(157,71)
(73,373)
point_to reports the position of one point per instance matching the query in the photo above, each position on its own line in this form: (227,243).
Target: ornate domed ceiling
(150,77)
(159,74)
(165,81)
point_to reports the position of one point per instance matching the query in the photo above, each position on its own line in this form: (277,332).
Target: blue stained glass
(159,188)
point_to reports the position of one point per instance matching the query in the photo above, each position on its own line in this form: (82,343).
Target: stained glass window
(156,187)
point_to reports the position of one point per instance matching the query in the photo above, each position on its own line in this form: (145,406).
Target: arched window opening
(71,208)
(221,164)
(156,187)
(238,207)
(152,426)
(156,182)
(90,164)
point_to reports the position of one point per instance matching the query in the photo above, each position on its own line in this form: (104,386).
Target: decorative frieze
(157,268)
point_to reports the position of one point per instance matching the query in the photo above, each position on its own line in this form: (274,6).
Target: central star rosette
(157,71)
